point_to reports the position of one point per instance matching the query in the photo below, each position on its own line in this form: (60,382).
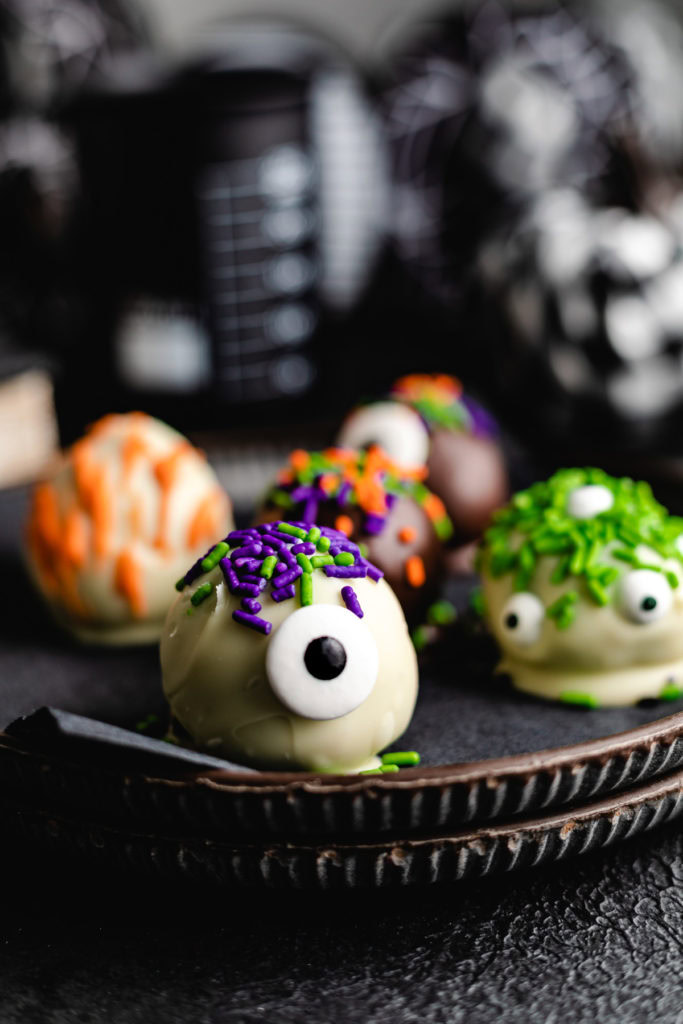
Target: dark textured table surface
(596,939)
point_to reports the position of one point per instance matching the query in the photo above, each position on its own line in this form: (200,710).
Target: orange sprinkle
(206,521)
(407,534)
(344,524)
(128,582)
(415,571)
(440,386)
(299,459)
(328,483)
(434,507)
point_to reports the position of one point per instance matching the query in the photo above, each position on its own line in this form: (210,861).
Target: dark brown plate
(488,753)
(381,863)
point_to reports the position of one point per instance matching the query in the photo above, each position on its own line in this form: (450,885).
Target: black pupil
(648,603)
(325,657)
(511,621)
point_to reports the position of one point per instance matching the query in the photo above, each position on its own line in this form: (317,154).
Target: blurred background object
(235,225)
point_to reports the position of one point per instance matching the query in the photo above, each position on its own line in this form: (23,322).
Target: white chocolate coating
(138,503)
(395,427)
(604,654)
(215,679)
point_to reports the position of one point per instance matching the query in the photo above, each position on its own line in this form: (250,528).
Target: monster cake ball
(286,649)
(581,588)
(427,421)
(376,503)
(113,527)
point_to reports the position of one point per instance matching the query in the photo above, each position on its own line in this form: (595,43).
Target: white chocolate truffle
(114,526)
(325,691)
(587,611)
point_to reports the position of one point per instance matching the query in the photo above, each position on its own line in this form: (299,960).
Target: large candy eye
(322,662)
(645,595)
(391,425)
(522,618)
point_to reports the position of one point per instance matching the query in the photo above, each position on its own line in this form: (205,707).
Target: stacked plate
(505,780)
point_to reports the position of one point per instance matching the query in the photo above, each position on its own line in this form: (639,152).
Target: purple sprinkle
(287,577)
(346,545)
(351,601)
(280,567)
(391,500)
(252,621)
(239,537)
(374,573)
(195,571)
(347,572)
(343,492)
(283,593)
(258,581)
(250,604)
(249,551)
(231,577)
(247,564)
(303,493)
(266,551)
(305,548)
(373,524)
(246,590)
(311,510)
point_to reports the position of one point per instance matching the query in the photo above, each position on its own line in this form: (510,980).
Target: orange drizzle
(133,448)
(57,547)
(166,473)
(207,519)
(95,494)
(128,582)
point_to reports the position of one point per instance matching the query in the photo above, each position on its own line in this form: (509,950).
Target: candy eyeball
(322,662)
(521,619)
(645,596)
(589,501)
(394,427)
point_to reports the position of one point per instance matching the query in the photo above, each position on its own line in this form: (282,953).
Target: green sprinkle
(292,531)
(323,544)
(214,556)
(401,757)
(371,771)
(181,583)
(313,535)
(363,548)
(441,613)
(201,593)
(280,498)
(624,555)
(420,638)
(268,566)
(444,528)
(584,700)
(670,692)
(344,558)
(673,579)
(305,562)
(318,561)
(306,589)
(387,769)
(478,602)
(597,592)
(561,570)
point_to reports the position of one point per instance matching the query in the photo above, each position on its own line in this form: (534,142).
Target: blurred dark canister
(229,220)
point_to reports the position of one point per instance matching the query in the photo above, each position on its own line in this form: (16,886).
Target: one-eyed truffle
(113,526)
(286,649)
(386,508)
(426,420)
(581,588)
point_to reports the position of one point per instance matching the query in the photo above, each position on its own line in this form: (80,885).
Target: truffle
(428,421)
(581,589)
(287,649)
(378,504)
(114,524)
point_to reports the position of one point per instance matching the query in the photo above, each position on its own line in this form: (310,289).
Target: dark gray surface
(594,940)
